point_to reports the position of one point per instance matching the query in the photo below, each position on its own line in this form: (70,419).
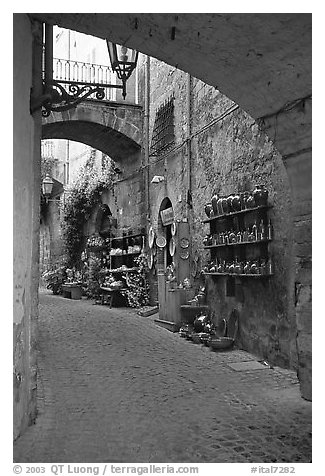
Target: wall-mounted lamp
(123,62)
(158,179)
(47,187)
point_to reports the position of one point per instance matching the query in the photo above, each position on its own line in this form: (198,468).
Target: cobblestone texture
(114,386)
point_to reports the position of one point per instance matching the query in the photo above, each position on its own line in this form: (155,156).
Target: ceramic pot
(247,268)
(242,200)
(224,205)
(214,202)
(238,268)
(200,322)
(206,241)
(250,202)
(208,209)
(201,298)
(253,268)
(232,238)
(260,195)
(219,206)
(231,268)
(229,202)
(236,203)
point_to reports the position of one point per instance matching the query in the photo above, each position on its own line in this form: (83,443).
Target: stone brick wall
(228,153)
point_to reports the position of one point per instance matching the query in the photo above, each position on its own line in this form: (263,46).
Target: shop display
(112,283)
(96,241)
(239,236)
(108,260)
(260,267)
(161,241)
(237,202)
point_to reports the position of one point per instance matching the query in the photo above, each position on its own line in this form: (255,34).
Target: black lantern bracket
(62,95)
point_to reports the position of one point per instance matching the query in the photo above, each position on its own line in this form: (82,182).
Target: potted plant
(54,279)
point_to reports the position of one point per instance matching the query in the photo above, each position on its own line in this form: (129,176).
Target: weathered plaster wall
(26,180)
(51,245)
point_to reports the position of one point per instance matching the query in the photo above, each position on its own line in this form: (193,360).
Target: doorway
(164,258)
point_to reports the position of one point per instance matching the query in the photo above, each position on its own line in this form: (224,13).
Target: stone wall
(229,153)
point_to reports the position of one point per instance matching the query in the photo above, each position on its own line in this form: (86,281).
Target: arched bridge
(113,128)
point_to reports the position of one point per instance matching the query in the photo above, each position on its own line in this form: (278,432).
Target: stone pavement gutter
(115,387)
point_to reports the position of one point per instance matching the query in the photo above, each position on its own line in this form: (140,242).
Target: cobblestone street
(115,387)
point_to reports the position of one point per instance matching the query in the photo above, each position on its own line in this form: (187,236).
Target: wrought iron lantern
(47,186)
(123,61)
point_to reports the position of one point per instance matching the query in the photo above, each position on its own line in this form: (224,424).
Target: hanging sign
(167,216)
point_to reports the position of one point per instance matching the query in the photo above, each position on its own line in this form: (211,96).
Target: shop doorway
(164,258)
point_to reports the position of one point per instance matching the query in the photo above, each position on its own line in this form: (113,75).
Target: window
(163,132)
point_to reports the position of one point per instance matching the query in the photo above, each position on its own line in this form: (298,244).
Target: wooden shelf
(240,275)
(127,270)
(257,242)
(126,236)
(126,254)
(240,212)
(96,248)
(193,307)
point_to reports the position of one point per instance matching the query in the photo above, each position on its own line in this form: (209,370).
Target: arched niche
(105,223)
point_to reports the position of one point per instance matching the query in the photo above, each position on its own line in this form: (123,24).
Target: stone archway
(113,129)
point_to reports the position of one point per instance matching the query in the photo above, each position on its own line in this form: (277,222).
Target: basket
(196,338)
(219,343)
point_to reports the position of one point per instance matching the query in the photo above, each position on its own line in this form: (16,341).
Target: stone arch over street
(115,130)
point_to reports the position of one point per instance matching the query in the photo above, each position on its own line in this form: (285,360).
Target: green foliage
(93,277)
(54,278)
(138,287)
(79,201)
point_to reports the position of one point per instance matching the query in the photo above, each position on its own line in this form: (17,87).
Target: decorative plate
(185,243)
(150,260)
(194,269)
(161,241)
(172,247)
(151,237)
(173,228)
(184,254)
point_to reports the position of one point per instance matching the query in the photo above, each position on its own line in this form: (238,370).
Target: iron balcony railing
(67,71)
